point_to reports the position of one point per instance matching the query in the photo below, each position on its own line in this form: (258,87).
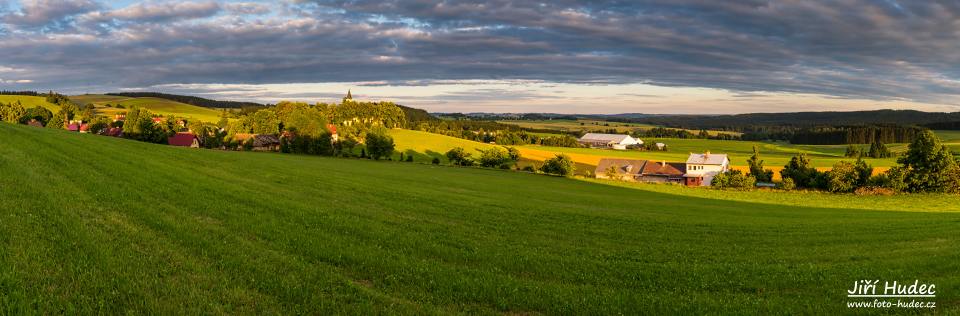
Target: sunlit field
(98,225)
(155,105)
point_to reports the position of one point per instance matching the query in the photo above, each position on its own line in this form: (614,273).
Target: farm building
(639,170)
(184,140)
(701,168)
(662,171)
(619,169)
(261,142)
(615,141)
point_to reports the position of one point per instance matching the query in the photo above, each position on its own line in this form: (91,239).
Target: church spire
(349,95)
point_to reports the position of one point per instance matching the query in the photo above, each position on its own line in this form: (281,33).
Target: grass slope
(156,105)
(90,224)
(30,102)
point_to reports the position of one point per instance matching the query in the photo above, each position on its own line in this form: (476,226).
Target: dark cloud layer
(844,48)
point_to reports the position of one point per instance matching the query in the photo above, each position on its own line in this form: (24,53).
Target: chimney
(706,154)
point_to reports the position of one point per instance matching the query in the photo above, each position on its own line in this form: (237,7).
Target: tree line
(927,167)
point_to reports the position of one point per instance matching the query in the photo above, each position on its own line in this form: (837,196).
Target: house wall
(658,179)
(707,171)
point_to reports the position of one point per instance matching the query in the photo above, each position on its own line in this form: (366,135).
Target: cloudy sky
(565,56)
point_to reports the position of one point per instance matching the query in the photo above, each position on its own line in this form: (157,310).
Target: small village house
(119,117)
(35,123)
(73,127)
(639,170)
(84,128)
(614,141)
(662,172)
(116,132)
(184,140)
(261,142)
(701,168)
(333,132)
(661,146)
(619,169)
(158,120)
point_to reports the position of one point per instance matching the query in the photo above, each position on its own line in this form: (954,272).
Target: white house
(701,168)
(615,141)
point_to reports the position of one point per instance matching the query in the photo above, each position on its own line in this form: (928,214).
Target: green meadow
(30,101)
(155,105)
(98,225)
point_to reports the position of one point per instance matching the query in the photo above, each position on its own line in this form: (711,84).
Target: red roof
(158,120)
(73,128)
(84,127)
(114,131)
(182,139)
(332,128)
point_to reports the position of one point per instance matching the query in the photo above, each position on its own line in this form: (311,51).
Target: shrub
(435,161)
(409,158)
(786,184)
(529,169)
(842,178)
(379,144)
(459,157)
(800,171)
(495,157)
(733,179)
(561,165)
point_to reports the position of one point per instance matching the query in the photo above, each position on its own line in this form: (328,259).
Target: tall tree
(930,166)
(756,167)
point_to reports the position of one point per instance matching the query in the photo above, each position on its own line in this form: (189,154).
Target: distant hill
(739,122)
(799,119)
(192,100)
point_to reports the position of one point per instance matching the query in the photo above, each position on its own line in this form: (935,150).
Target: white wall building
(705,166)
(615,141)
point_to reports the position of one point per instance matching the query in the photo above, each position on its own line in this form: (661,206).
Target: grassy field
(155,105)
(775,155)
(589,125)
(30,102)
(93,224)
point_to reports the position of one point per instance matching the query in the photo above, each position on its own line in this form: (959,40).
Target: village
(698,170)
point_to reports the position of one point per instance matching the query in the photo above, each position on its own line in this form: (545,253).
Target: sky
(558,56)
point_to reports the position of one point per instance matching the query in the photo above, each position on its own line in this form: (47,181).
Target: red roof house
(184,140)
(157,120)
(333,132)
(84,128)
(35,123)
(114,132)
(73,127)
